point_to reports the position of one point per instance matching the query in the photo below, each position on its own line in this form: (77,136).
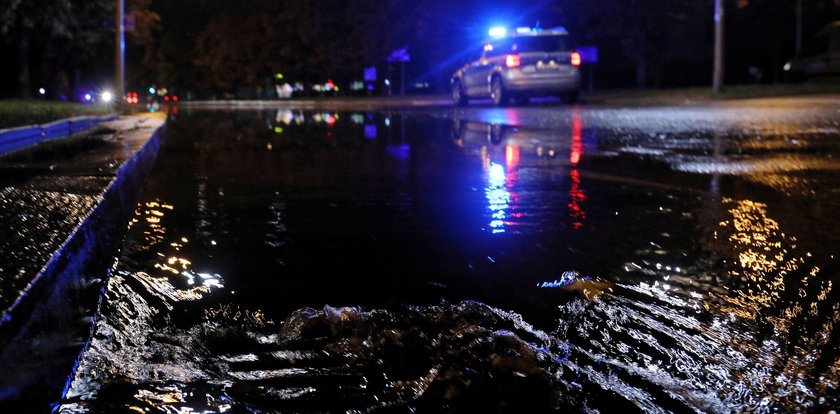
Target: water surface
(310,261)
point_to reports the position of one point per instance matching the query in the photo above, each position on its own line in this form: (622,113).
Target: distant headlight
(786,67)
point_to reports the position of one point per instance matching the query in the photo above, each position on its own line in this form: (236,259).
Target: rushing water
(284,261)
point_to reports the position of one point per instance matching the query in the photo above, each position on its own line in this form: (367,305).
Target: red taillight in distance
(512,61)
(575,59)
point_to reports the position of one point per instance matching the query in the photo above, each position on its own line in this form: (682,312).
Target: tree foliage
(642,35)
(24,16)
(142,43)
(29,22)
(247,61)
(213,47)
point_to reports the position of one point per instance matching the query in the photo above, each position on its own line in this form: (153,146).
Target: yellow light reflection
(232,313)
(770,281)
(174,269)
(764,257)
(160,400)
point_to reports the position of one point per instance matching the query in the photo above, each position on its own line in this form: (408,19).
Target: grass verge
(15,113)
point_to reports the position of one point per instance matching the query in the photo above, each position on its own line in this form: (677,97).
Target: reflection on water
(512,155)
(320,261)
(764,257)
(172,274)
(578,196)
(713,349)
(498,198)
(576,193)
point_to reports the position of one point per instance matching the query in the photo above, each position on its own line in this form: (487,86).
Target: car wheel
(571,97)
(496,133)
(458,128)
(458,95)
(498,93)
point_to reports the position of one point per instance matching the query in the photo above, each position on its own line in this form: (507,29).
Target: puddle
(393,262)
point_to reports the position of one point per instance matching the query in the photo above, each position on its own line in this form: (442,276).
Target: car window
(498,48)
(525,44)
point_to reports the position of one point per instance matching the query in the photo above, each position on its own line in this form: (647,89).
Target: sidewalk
(63,206)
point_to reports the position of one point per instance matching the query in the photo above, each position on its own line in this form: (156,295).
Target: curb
(47,327)
(13,139)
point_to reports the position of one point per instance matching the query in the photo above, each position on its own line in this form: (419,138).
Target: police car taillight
(512,61)
(575,59)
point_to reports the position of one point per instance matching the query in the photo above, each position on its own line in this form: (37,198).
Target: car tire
(458,94)
(498,93)
(496,134)
(458,128)
(570,97)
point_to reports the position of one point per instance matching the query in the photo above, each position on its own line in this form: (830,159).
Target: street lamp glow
(496,32)
(106,96)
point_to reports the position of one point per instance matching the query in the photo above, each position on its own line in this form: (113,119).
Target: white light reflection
(498,197)
(205,279)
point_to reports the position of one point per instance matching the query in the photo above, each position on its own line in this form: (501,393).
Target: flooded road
(536,259)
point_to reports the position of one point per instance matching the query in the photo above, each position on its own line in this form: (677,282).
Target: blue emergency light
(497,32)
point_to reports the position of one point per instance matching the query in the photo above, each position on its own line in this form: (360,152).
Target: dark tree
(248,60)
(643,34)
(23,21)
(142,62)
(56,39)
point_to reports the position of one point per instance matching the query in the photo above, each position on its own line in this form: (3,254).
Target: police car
(518,65)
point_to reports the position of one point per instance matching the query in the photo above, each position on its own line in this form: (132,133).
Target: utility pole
(717,74)
(119,52)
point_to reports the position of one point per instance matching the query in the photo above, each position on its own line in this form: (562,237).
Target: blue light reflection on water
(517,161)
(370,131)
(401,152)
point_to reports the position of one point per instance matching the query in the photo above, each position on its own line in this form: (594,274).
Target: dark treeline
(215,48)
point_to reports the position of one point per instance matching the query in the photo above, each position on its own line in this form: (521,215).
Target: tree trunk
(23,74)
(75,82)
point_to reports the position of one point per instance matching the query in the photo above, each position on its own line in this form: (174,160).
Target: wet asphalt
(713,220)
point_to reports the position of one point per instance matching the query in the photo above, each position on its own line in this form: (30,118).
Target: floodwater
(520,260)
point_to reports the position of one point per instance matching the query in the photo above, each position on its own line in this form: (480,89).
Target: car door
(475,77)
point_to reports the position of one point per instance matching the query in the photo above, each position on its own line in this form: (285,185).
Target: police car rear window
(527,44)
